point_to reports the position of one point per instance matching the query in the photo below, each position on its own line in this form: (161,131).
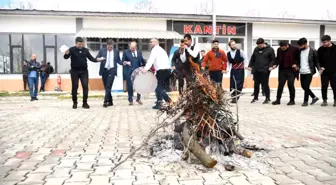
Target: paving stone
(34,179)
(99,180)
(79,177)
(16,175)
(55,181)
(9,182)
(239,181)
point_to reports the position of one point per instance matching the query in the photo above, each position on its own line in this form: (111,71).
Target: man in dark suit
(108,69)
(132,58)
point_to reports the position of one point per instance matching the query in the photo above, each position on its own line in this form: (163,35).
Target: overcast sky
(300,9)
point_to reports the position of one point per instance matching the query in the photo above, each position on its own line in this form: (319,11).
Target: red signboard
(205,28)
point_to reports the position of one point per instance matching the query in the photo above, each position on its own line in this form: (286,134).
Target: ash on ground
(167,149)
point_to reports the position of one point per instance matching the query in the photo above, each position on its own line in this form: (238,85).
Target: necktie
(133,54)
(109,61)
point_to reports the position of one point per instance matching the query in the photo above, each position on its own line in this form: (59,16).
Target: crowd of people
(32,70)
(293,62)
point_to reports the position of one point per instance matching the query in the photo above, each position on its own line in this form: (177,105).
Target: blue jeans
(33,86)
(44,78)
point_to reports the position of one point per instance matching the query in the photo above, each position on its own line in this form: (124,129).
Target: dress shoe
(35,98)
(254,101)
(314,100)
(291,103)
(139,102)
(276,102)
(305,104)
(86,105)
(74,106)
(325,103)
(267,101)
(130,103)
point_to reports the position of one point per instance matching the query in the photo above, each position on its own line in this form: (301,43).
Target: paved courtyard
(47,143)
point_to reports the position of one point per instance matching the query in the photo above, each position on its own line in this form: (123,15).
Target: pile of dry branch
(208,121)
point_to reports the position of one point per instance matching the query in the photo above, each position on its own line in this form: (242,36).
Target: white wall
(125,23)
(285,31)
(37,24)
(331,30)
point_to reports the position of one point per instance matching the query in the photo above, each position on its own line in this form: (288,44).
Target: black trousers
(83,76)
(289,77)
(108,79)
(326,78)
(237,77)
(162,77)
(216,76)
(263,79)
(25,82)
(305,80)
(181,75)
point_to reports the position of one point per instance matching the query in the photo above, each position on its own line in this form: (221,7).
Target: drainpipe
(213,20)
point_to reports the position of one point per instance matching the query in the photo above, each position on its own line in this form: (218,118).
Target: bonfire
(202,118)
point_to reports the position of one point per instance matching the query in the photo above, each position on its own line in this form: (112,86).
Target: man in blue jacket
(33,77)
(108,69)
(133,59)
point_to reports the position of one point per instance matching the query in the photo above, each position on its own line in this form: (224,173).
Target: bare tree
(286,14)
(145,6)
(253,13)
(204,8)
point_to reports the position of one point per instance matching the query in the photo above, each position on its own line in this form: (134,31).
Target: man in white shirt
(308,65)
(159,59)
(190,50)
(237,64)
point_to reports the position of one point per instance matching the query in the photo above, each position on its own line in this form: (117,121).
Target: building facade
(23,33)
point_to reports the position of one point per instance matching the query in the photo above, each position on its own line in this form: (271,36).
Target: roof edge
(186,17)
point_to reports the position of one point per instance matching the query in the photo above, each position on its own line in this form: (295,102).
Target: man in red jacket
(217,60)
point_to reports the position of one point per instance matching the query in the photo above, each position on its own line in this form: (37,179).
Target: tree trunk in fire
(196,149)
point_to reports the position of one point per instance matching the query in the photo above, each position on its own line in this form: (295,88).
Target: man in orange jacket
(217,60)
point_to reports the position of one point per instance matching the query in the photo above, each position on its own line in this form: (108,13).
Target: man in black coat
(307,65)
(261,63)
(327,58)
(288,61)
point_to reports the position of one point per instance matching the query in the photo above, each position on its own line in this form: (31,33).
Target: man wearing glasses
(327,57)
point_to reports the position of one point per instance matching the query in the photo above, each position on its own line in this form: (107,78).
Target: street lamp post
(213,20)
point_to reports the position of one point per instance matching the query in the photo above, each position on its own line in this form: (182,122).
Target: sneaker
(86,106)
(291,103)
(130,103)
(276,102)
(139,102)
(325,103)
(35,98)
(254,101)
(314,100)
(32,99)
(74,106)
(305,104)
(156,106)
(267,101)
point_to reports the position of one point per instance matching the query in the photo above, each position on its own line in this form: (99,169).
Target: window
(33,44)
(93,46)
(17,59)
(254,42)
(49,40)
(4,54)
(50,56)
(63,66)
(312,44)
(276,42)
(239,42)
(16,39)
(294,43)
(145,45)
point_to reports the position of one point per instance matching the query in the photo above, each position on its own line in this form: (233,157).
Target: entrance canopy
(127,33)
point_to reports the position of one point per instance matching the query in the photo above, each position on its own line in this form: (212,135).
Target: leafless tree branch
(145,6)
